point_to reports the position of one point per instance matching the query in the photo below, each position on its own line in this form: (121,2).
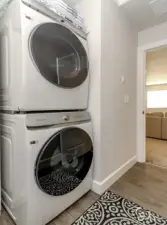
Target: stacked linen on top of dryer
(57,6)
(3,6)
(62,9)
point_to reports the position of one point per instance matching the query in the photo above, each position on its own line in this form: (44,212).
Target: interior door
(64,161)
(59,55)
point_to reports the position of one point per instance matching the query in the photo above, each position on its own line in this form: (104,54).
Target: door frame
(141,96)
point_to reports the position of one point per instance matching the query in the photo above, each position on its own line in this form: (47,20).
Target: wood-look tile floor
(144,184)
(156,152)
(67,217)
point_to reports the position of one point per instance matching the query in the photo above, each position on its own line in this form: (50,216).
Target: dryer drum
(59,55)
(64,161)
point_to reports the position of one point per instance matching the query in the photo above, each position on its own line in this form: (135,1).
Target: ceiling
(142,14)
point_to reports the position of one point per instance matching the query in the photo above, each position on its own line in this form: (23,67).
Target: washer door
(64,161)
(59,55)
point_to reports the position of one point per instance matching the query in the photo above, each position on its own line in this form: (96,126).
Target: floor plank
(156,152)
(146,185)
(63,219)
(82,205)
(67,217)
(5,219)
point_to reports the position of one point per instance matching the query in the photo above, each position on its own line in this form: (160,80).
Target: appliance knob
(66,118)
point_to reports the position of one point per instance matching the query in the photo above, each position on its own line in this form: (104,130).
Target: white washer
(44,62)
(47,163)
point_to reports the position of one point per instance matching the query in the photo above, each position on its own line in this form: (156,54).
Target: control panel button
(66,118)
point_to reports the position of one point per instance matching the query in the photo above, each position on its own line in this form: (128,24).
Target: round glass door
(59,55)
(64,161)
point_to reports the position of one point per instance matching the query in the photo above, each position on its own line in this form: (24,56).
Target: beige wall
(118,121)
(112,52)
(91,11)
(157,66)
(153,35)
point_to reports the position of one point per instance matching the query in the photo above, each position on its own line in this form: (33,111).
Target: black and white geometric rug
(111,209)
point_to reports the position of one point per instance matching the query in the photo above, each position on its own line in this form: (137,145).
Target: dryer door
(59,55)
(64,161)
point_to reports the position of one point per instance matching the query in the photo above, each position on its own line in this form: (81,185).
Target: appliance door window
(59,55)
(64,162)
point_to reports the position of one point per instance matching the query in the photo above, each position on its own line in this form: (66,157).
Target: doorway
(152,105)
(156,106)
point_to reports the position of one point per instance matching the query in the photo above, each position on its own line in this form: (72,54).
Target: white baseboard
(100,187)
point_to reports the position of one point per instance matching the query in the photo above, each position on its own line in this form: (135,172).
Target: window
(157,99)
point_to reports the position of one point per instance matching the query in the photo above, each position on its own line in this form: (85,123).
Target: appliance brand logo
(41,119)
(33,142)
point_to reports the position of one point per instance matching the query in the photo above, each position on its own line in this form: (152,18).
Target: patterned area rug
(111,209)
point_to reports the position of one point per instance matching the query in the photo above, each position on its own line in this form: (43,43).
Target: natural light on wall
(157,99)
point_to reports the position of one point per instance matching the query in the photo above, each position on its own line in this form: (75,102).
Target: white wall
(91,11)
(118,121)
(112,50)
(153,34)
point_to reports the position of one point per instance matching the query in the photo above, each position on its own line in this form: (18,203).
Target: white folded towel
(57,6)
(61,8)
(3,6)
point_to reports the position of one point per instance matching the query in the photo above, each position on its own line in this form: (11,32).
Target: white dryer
(46,164)
(44,61)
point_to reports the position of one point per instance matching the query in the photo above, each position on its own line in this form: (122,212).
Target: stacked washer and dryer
(46,133)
